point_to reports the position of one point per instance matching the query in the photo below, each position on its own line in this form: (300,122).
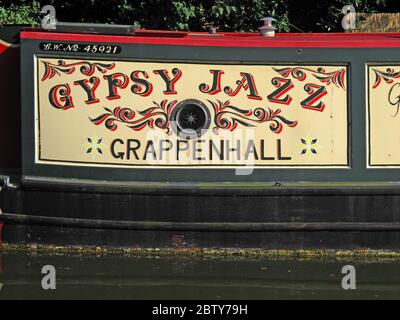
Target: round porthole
(190,119)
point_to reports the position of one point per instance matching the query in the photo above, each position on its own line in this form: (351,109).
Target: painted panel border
(41,160)
(382,115)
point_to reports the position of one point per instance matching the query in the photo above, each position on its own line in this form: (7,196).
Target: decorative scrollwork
(86,68)
(300,73)
(157,116)
(228,117)
(388,76)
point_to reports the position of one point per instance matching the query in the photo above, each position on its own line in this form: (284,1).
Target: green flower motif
(94,146)
(309,145)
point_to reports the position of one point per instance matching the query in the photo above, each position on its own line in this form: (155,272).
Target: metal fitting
(267,30)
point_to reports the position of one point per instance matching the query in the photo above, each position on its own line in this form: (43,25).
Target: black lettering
(119,155)
(132,149)
(89,85)
(280,157)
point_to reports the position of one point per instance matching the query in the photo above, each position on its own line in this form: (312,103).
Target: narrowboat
(123,137)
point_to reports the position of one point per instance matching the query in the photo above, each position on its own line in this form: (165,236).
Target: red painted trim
(3,48)
(286,40)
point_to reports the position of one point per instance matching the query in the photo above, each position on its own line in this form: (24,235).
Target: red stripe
(3,48)
(284,40)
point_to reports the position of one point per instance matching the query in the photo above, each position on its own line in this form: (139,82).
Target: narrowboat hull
(319,170)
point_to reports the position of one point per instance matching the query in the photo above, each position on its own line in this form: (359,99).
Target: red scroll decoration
(86,68)
(336,77)
(154,117)
(387,76)
(228,117)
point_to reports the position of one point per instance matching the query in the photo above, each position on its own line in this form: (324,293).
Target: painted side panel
(383,103)
(140,54)
(133,114)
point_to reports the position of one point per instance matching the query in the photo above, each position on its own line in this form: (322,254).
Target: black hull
(311,219)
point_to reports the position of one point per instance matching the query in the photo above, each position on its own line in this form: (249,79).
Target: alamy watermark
(349,20)
(49,20)
(349,280)
(49,280)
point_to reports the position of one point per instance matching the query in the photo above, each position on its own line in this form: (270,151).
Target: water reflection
(127,277)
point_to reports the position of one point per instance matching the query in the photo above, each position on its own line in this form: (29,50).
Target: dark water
(123,277)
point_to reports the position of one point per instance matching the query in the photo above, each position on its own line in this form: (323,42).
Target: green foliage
(185,12)
(20,14)
(196,15)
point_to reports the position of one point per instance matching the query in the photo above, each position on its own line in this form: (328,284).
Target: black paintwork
(10,33)
(288,213)
(10,105)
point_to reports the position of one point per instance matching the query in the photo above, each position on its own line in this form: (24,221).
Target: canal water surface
(152,277)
